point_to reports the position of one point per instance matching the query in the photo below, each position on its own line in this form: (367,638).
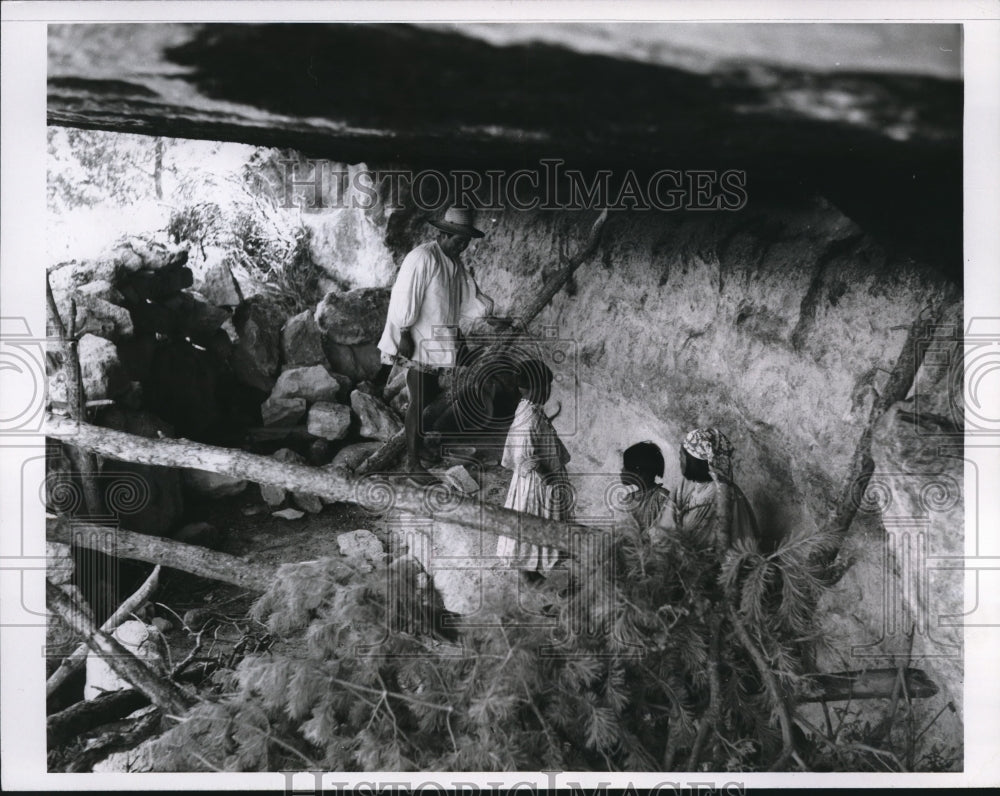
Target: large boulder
(220,287)
(302,341)
(358,362)
(101,370)
(328,420)
(314,383)
(98,310)
(133,254)
(354,316)
(257,354)
(145,498)
(378,421)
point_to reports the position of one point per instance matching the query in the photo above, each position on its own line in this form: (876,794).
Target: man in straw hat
(432,294)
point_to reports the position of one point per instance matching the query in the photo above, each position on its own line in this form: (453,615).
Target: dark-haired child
(537,457)
(642,464)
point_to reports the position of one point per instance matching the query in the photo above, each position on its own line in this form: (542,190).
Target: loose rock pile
(215,360)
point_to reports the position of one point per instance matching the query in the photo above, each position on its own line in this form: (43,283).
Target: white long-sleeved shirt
(432,295)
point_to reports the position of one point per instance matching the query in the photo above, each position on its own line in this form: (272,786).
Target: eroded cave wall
(780,324)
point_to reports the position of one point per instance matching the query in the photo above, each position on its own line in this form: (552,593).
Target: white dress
(531,444)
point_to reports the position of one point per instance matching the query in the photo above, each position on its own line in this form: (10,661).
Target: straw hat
(457,220)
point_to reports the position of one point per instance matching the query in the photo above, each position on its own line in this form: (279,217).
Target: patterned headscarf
(711,445)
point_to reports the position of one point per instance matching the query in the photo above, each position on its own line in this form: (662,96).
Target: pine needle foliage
(638,667)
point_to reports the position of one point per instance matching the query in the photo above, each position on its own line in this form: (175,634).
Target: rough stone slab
(378,421)
(354,316)
(102,371)
(257,354)
(350,456)
(313,383)
(361,543)
(219,286)
(282,411)
(302,341)
(357,362)
(328,420)
(289,514)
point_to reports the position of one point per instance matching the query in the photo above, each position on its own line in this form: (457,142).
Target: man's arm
(405,303)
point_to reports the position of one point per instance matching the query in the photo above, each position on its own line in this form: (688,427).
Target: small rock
(378,421)
(282,411)
(274,496)
(361,543)
(313,383)
(163,625)
(328,420)
(199,533)
(462,480)
(350,456)
(58,563)
(308,503)
(289,514)
(213,485)
(220,286)
(195,618)
(302,341)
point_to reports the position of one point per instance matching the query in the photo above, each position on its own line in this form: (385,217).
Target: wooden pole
(139,546)
(75,397)
(389,454)
(376,493)
(160,691)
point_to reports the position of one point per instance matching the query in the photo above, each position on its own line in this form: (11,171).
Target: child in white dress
(538,458)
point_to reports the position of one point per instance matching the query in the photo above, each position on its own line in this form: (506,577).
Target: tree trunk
(65,725)
(378,494)
(389,454)
(186,557)
(161,692)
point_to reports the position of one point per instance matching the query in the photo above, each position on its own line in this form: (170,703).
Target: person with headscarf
(705,505)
